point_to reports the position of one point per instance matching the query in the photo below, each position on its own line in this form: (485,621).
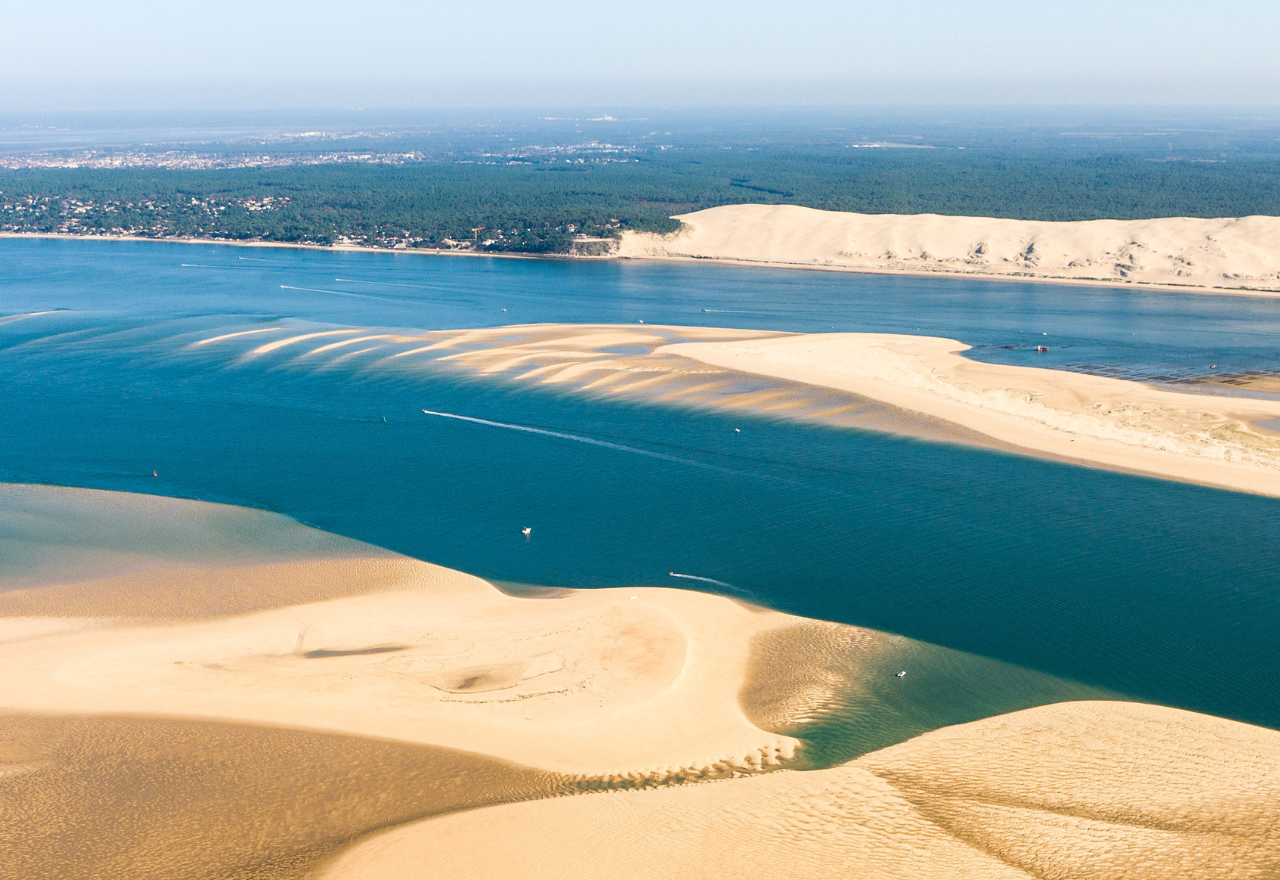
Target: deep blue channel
(1163,591)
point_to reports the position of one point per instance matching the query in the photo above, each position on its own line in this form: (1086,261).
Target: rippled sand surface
(1072,790)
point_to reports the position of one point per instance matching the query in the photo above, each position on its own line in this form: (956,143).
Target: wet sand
(140,798)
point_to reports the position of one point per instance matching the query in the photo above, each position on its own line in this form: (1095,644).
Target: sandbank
(259,717)
(919,386)
(620,684)
(1238,255)
(1088,790)
(1202,438)
(636,684)
(177,717)
(645,363)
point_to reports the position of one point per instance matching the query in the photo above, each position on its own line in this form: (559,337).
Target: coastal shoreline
(1257,293)
(1185,254)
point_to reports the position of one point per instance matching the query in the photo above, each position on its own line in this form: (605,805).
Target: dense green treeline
(540,206)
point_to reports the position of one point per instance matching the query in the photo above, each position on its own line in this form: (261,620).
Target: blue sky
(231,55)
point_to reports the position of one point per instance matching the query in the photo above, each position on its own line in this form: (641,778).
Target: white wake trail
(577,438)
(705,580)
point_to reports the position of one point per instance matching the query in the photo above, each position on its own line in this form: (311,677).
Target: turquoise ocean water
(1029,580)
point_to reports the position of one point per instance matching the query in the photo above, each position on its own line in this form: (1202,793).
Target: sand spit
(265,726)
(1081,790)
(915,385)
(643,363)
(1232,254)
(1200,438)
(177,719)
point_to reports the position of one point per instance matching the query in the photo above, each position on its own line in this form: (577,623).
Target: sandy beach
(1179,253)
(1237,255)
(316,707)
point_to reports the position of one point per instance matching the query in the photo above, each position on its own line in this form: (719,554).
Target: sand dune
(1200,438)
(1080,790)
(1222,254)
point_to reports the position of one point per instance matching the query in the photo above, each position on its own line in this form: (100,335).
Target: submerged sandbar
(920,386)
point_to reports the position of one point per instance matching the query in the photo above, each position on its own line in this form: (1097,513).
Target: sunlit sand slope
(1230,254)
(597,684)
(1073,790)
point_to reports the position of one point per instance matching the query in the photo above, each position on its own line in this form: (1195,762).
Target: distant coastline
(627,253)
(296,245)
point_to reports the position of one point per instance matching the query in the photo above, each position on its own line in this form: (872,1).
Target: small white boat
(901,674)
(526,531)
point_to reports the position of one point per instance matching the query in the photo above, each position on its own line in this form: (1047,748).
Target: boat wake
(577,438)
(705,580)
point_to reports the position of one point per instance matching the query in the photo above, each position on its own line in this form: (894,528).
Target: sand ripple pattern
(1073,790)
